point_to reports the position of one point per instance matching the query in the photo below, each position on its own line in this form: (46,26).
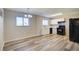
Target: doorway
(51,31)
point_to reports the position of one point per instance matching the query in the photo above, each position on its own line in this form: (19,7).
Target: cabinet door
(76,31)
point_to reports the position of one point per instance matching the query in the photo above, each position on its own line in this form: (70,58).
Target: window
(19,21)
(26,22)
(22,21)
(45,22)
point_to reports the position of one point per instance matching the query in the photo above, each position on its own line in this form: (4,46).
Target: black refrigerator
(74,29)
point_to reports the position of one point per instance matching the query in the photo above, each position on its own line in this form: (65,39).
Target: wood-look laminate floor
(42,43)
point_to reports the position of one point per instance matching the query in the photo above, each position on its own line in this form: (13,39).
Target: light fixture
(28,15)
(25,15)
(57,14)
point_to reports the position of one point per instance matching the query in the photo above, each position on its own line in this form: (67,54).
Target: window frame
(43,21)
(22,22)
(28,22)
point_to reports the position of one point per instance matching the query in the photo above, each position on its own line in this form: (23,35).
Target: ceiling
(45,11)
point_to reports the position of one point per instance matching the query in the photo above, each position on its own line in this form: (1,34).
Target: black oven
(61,30)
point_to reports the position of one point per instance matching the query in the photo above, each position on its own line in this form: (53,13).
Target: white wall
(41,30)
(45,29)
(12,32)
(39,25)
(1,30)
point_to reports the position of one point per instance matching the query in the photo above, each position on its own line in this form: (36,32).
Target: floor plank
(42,43)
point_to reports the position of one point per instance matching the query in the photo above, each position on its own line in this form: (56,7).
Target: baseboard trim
(22,38)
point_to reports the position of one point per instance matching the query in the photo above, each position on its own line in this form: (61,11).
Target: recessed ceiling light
(25,15)
(29,16)
(57,14)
